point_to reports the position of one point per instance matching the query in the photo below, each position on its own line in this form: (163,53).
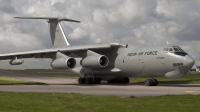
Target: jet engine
(16,62)
(63,63)
(95,61)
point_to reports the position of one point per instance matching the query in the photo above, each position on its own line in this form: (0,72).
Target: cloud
(77,33)
(130,21)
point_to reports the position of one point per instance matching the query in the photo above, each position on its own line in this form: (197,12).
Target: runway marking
(190,91)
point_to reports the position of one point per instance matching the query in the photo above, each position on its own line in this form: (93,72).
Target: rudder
(57,34)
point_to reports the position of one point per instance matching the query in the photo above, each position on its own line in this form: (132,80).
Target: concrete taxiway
(66,85)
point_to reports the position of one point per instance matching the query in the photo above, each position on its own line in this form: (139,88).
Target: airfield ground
(191,78)
(51,101)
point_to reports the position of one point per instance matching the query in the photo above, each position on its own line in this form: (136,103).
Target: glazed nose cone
(188,61)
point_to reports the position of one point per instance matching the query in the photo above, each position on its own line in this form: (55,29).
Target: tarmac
(69,85)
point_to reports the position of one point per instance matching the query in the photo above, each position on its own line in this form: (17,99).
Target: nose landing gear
(151,82)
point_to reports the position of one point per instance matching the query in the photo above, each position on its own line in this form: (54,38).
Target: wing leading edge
(44,52)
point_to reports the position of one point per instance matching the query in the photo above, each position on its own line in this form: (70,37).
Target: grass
(52,73)
(12,81)
(63,102)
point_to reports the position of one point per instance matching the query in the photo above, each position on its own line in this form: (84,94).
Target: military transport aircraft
(113,62)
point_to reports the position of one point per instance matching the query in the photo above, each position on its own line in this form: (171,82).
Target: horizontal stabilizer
(50,18)
(57,34)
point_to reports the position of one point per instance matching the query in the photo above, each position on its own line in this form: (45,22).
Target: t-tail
(58,37)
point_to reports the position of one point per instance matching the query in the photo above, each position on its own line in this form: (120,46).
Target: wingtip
(15,17)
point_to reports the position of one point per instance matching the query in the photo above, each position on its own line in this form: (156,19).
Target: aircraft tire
(81,80)
(148,82)
(111,81)
(155,82)
(126,80)
(118,81)
(88,80)
(91,80)
(97,80)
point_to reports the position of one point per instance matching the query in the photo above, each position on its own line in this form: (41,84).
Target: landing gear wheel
(118,81)
(81,80)
(88,80)
(97,80)
(111,81)
(151,82)
(126,80)
(91,80)
(155,82)
(148,82)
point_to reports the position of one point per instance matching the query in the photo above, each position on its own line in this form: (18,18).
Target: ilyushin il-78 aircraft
(112,62)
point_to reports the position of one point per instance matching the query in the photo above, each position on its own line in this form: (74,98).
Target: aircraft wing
(43,53)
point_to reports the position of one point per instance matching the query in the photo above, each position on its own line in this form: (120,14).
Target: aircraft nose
(189,61)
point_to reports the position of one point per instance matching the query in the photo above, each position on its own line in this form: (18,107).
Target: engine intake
(95,61)
(63,63)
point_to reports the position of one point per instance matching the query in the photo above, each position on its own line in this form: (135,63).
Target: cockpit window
(166,49)
(175,50)
(180,49)
(171,50)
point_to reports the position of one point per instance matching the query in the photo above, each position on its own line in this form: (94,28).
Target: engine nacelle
(16,62)
(95,61)
(63,63)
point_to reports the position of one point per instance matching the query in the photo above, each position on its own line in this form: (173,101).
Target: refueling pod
(16,62)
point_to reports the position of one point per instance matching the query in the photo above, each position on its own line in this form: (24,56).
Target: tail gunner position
(113,62)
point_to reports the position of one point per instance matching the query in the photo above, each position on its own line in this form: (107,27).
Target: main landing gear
(96,80)
(151,82)
(89,80)
(125,80)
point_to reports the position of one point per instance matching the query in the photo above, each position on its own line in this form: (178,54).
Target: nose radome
(189,61)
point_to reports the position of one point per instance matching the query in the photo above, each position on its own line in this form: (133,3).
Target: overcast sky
(137,21)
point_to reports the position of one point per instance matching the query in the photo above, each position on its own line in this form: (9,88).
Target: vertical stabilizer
(57,34)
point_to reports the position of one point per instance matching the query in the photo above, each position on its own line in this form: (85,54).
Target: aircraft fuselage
(143,60)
